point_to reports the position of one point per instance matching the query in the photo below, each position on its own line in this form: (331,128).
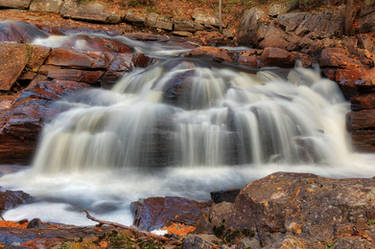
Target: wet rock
(14,58)
(363,101)
(79,59)
(363,119)
(363,140)
(97,44)
(158,212)
(26,116)
(225,195)
(90,77)
(206,18)
(218,54)
(92,11)
(16,31)
(46,5)
(306,207)
(164,23)
(10,199)
(16,4)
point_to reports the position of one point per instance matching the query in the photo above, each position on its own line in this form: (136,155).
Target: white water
(184,127)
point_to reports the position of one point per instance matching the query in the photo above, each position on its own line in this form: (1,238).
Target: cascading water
(186,113)
(183,127)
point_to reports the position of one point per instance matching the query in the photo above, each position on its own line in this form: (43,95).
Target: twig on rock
(115,224)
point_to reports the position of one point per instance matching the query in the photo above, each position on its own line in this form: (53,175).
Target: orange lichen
(179,229)
(13,224)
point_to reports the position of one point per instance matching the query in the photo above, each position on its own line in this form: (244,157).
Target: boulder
(46,5)
(296,209)
(92,11)
(252,20)
(159,212)
(206,18)
(277,57)
(14,58)
(15,4)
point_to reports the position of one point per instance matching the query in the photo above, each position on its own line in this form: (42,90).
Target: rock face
(159,212)
(298,209)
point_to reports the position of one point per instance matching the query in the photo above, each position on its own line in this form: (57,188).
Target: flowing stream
(182,127)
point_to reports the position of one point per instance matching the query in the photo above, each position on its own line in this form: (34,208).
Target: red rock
(249,60)
(277,57)
(25,118)
(79,59)
(365,101)
(218,54)
(13,60)
(58,73)
(158,212)
(337,57)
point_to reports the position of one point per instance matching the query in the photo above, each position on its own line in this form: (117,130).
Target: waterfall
(188,113)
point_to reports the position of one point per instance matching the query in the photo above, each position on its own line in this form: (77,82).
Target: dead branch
(115,224)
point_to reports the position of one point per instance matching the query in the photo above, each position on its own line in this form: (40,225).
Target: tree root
(118,225)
